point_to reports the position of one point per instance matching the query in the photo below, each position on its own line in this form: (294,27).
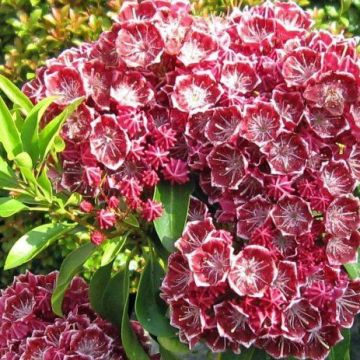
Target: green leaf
(59,144)
(167,355)
(341,350)
(25,164)
(51,131)
(133,349)
(9,134)
(30,128)
(34,242)
(132,220)
(15,95)
(175,200)
(7,175)
(73,200)
(69,268)
(247,354)
(45,184)
(111,248)
(149,308)
(10,206)
(353,269)
(345,6)
(114,298)
(173,345)
(97,288)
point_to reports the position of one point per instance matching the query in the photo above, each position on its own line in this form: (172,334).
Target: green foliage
(69,268)
(34,242)
(132,347)
(150,310)
(96,289)
(175,200)
(34,30)
(341,350)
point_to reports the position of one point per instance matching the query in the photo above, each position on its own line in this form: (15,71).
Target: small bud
(106,218)
(97,237)
(86,206)
(113,202)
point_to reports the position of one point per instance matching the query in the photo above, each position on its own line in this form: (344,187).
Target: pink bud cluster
(30,330)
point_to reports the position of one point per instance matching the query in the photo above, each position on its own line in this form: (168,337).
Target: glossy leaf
(149,308)
(51,131)
(7,175)
(173,345)
(69,268)
(97,288)
(34,242)
(9,134)
(111,248)
(15,95)
(114,298)
(30,128)
(132,347)
(342,349)
(45,184)
(10,206)
(175,200)
(25,164)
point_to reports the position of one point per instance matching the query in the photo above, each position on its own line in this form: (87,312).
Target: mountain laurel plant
(225,152)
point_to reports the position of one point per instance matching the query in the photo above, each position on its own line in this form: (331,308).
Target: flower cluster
(30,330)
(125,136)
(284,299)
(273,132)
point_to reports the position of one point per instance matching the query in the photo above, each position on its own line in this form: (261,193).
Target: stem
(20,191)
(39,209)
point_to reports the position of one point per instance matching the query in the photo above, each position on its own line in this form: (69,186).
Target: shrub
(254,114)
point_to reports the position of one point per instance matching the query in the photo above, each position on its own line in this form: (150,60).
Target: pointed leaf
(7,175)
(15,95)
(30,128)
(97,288)
(10,206)
(69,268)
(175,200)
(34,242)
(9,134)
(111,248)
(45,184)
(132,347)
(114,298)
(48,134)
(345,6)
(150,309)
(25,164)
